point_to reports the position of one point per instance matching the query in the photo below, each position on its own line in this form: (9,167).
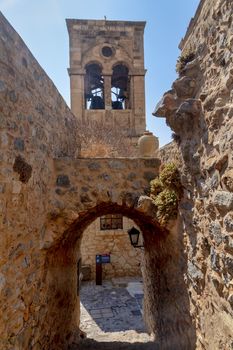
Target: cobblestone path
(111,315)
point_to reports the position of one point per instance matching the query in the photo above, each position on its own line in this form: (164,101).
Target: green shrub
(167,206)
(166,190)
(170,177)
(156,187)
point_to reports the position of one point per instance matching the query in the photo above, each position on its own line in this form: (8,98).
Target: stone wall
(125,260)
(170,153)
(199,109)
(35,126)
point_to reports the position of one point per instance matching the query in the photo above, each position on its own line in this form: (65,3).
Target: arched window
(94,87)
(120,87)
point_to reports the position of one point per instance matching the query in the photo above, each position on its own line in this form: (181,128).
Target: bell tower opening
(94,87)
(120,87)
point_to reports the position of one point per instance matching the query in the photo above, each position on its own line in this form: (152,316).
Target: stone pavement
(111,315)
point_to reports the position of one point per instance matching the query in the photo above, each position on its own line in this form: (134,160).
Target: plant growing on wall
(186,56)
(166,190)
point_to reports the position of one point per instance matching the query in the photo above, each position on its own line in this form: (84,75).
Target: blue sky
(41,24)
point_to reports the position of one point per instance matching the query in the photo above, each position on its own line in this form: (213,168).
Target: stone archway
(81,191)
(165,306)
(61,259)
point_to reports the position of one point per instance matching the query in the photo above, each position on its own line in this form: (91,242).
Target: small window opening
(120,87)
(111,222)
(94,87)
(107,51)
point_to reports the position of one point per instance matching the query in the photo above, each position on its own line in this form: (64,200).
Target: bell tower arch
(107,73)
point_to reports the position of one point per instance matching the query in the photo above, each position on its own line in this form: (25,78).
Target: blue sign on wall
(103,258)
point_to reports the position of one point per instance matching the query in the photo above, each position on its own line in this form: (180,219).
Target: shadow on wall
(166,303)
(90,344)
(184,108)
(166,294)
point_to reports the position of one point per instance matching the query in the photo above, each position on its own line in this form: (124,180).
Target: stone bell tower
(107,73)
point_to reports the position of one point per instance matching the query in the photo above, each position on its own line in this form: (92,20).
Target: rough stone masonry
(199,109)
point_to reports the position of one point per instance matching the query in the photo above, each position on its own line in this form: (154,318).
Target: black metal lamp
(134,237)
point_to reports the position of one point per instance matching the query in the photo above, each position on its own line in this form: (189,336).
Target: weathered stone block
(196,275)
(228,263)
(167,105)
(40,108)
(60,192)
(105,177)
(152,163)
(19,144)
(214,259)
(85,198)
(188,206)
(13,96)
(184,87)
(17,185)
(130,199)
(131,176)
(218,286)
(93,165)
(215,232)
(214,180)
(2,188)
(227,180)
(116,164)
(228,241)
(221,162)
(191,107)
(223,200)
(2,86)
(146,205)
(85,189)
(24,62)
(63,181)
(228,222)
(19,250)
(11,125)
(2,281)
(230,300)
(149,175)
(23,169)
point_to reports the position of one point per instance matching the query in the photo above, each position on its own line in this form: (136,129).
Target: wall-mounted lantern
(134,237)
